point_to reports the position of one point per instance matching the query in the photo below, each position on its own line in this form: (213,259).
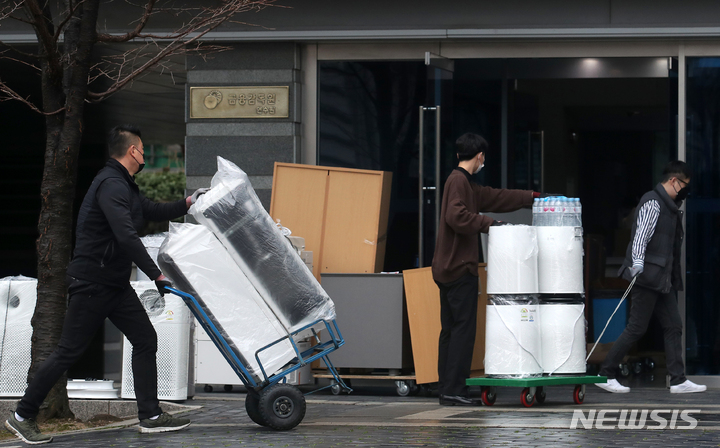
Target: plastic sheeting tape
(512,340)
(512,260)
(562,330)
(560,260)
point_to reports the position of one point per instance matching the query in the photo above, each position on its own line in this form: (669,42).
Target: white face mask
(480,167)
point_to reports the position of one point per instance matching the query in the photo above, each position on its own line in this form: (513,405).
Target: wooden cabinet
(342,214)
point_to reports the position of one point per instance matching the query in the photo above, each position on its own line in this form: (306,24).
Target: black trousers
(645,304)
(89,304)
(458,315)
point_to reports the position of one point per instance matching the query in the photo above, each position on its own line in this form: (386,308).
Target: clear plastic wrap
(172,321)
(512,337)
(562,329)
(512,260)
(197,263)
(233,212)
(152,243)
(18,296)
(560,260)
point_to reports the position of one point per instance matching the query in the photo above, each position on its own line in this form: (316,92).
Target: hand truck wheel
(579,394)
(335,388)
(488,396)
(252,406)
(282,406)
(540,395)
(526,398)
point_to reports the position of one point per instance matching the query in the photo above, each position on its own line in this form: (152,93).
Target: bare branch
(19,61)
(101,37)
(8,94)
(180,40)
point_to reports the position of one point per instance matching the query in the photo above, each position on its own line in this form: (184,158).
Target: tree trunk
(63,86)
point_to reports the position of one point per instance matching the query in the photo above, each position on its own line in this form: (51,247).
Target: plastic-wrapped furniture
(233,212)
(18,296)
(173,322)
(196,262)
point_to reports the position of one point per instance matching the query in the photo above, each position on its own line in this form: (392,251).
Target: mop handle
(611,316)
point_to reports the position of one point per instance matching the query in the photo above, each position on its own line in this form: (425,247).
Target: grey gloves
(635,270)
(197,194)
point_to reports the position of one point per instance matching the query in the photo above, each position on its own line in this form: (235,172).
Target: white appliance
(173,323)
(18,296)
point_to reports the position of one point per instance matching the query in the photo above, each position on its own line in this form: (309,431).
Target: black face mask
(683,193)
(141,165)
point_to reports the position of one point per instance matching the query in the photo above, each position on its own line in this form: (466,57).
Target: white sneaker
(688,387)
(613,386)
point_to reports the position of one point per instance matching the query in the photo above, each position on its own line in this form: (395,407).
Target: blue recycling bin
(603,308)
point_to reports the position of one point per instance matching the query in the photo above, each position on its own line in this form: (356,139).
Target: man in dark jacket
(653,257)
(107,243)
(455,263)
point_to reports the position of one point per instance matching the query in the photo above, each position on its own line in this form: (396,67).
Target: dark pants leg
(87,309)
(132,320)
(89,305)
(646,303)
(458,316)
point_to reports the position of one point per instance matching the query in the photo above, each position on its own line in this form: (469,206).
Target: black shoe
(453,400)
(164,423)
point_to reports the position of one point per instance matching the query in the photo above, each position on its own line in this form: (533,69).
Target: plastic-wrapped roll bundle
(233,212)
(18,296)
(560,263)
(198,264)
(512,260)
(512,337)
(562,327)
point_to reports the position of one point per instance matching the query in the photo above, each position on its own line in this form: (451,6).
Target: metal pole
(437,170)
(421,156)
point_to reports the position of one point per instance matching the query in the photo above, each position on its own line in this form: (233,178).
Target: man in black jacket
(653,256)
(107,243)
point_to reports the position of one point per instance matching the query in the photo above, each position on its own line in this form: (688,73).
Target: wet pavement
(375,417)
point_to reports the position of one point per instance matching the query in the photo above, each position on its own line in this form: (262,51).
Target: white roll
(512,341)
(562,327)
(560,260)
(512,260)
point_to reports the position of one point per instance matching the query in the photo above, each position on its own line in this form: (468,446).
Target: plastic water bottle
(567,205)
(578,212)
(536,212)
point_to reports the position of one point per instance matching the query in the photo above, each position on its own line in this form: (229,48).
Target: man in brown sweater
(455,263)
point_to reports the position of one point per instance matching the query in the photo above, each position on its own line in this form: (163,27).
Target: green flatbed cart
(533,388)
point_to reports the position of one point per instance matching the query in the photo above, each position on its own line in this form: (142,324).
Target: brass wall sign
(239,102)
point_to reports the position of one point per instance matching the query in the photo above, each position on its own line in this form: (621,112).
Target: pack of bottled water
(557,211)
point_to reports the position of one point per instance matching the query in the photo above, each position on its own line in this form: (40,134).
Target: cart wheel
(649,363)
(527,399)
(488,396)
(637,367)
(624,370)
(578,395)
(208,388)
(228,388)
(540,395)
(414,388)
(335,389)
(282,406)
(252,406)
(402,388)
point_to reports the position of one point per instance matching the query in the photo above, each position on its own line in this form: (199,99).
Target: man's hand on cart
(161,283)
